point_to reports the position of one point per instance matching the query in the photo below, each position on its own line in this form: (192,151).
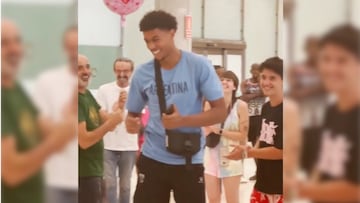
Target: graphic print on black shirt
(270,172)
(338,155)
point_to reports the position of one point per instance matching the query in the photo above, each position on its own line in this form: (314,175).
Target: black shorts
(156,180)
(254,128)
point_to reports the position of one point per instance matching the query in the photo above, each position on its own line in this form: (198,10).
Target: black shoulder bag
(213,139)
(179,143)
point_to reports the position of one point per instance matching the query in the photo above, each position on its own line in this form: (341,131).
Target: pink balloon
(123,7)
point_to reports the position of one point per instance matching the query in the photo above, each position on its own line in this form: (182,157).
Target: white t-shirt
(119,139)
(52,92)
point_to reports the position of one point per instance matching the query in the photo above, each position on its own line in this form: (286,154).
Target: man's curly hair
(158,19)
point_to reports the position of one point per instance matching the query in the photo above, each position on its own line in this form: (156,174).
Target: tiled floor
(245,188)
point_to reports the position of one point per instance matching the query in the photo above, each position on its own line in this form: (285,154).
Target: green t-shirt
(19,119)
(90,159)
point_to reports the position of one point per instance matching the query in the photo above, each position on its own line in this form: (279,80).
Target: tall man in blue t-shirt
(187,78)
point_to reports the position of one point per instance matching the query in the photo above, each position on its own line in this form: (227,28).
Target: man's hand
(122,99)
(238,152)
(120,103)
(174,120)
(133,124)
(115,118)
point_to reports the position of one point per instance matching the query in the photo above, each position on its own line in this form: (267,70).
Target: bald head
(311,47)
(7,22)
(11,48)
(82,59)
(84,72)
(255,71)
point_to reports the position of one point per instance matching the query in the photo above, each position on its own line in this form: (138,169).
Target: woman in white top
(219,170)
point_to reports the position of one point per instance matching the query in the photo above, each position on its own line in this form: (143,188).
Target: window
(227,53)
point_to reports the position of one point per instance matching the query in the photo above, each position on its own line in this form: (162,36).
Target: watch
(221,131)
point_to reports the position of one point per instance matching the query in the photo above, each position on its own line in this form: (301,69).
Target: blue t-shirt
(192,79)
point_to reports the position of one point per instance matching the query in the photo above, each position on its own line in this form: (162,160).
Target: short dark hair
(158,19)
(231,75)
(217,67)
(274,64)
(345,36)
(123,59)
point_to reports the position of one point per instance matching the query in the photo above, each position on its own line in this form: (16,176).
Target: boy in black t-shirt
(336,174)
(268,150)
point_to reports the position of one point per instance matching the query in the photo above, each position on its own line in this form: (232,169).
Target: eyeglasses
(93,72)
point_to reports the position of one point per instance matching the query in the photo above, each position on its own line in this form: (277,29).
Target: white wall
(280,29)
(314,17)
(102,29)
(134,45)
(317,17)
(54,2)
(179,9)
(355,11)
(259,31)
(195,8)
(222,21)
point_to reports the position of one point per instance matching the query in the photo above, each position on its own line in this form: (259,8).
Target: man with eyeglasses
(93,124)
(120,147)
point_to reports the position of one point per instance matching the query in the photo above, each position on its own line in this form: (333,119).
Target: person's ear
(172,32)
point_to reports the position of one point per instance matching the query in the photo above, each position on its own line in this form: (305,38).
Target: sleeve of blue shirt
(210,84)
(136,97)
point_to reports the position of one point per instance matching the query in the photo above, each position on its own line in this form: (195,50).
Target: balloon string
(123,20)
(122,29)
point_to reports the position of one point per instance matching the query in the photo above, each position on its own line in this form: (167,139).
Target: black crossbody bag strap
(162,102)
(160,87)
